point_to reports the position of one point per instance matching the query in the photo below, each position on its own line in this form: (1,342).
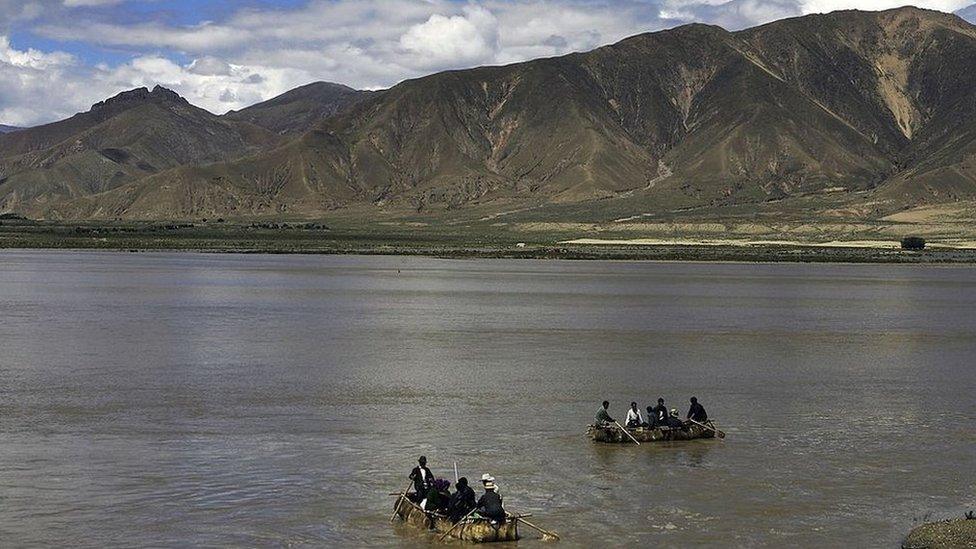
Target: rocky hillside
(875,106)
(300,109)
(120,140)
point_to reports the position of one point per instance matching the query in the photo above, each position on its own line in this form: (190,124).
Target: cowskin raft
(613,434)
(475,530)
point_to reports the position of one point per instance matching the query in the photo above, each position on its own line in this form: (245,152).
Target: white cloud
(200,38)
(38,87)
(238,87)
(85,3)
(31,58)
(471,37)
(33,82)
(208,65)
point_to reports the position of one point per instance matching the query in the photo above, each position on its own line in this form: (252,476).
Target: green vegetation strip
(470,241)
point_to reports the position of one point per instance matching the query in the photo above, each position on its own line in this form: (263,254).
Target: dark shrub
(913,243)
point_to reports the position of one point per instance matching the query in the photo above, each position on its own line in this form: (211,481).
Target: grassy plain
(666,240)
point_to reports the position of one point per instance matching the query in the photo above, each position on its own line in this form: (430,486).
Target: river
(159,399)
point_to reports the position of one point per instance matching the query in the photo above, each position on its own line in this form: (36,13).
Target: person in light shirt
(634,418)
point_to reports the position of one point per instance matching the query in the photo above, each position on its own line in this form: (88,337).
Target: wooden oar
(546,534)
(721,434)
(627,433)
(403,494)
(456,524)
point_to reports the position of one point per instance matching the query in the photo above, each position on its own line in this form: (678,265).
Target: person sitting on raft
(422,479)
(603,416)
(634,418)
(650,418)
(462,502)
(438,496)
(674,421)
(490,504)
(697,412)
(660,416)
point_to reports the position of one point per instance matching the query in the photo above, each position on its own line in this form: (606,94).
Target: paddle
(456,524)
(627,433)
(546,534)
(455,474)
(403,495)
(721,434)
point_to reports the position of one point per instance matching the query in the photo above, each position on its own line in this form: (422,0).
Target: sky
(58,57)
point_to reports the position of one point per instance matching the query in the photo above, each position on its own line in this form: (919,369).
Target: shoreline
(471,242)
(657,253)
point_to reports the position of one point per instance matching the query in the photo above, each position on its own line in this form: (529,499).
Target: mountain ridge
(872,105)
(299,109)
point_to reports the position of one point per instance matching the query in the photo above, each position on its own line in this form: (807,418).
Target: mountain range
(846,115)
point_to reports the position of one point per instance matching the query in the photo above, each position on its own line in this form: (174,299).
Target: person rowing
(697,411)
(422,479)
(603,416)
(634,418)
(462,502)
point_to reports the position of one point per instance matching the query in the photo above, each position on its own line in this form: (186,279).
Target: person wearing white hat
(490,504)
(674,421)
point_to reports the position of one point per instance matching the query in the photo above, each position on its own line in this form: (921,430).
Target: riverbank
(475,241)
(949,534)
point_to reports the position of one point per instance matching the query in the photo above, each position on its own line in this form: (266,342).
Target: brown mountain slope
(300,109)
(691,117)
(123,139)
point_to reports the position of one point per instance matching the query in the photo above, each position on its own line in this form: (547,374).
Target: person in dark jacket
(602,415)
(462,502)
(438,496)
(697,412)
(490,504)
(422,479)
(660,415)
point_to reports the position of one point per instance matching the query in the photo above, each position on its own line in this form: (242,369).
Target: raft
(612,434)
(474,530)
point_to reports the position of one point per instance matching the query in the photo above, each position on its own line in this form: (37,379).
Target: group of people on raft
(434,495)
(657,417)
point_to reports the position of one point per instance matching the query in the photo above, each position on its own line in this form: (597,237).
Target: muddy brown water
(231,400)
